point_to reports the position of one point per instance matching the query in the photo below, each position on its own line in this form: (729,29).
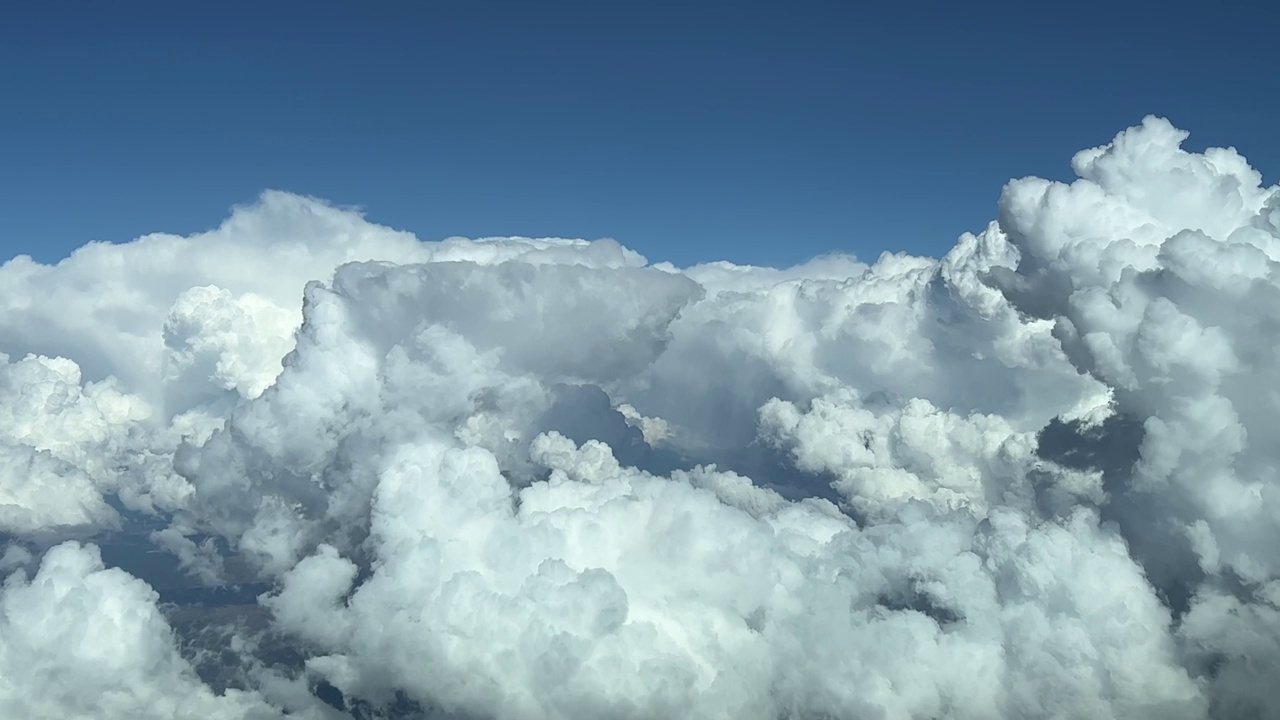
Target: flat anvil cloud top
(306,465)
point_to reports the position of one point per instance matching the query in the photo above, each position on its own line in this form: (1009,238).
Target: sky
(763,133)
(283,459)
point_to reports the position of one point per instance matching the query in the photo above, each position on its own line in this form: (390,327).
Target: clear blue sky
(758,132)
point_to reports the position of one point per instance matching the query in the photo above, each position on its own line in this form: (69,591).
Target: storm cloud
(304,464)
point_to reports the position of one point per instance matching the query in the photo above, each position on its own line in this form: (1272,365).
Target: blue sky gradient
(758,132)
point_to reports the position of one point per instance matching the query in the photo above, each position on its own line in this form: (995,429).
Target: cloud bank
(304,465)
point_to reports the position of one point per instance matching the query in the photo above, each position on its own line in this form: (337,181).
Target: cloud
(78,640)
(353,474)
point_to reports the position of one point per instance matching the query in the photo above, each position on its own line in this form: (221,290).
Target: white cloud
(522,478)
(81,641)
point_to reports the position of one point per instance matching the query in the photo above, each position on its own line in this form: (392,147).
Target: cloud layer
(307,465)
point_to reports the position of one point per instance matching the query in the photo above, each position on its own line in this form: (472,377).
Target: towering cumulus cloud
(307,466)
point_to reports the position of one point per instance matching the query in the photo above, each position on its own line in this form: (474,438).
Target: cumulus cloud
(335,471)
(78,640)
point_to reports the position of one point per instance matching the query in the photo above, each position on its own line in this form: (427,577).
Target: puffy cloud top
(303,464)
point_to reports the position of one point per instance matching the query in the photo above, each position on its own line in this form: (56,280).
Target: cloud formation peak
(304,464)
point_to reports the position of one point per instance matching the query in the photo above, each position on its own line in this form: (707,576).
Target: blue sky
(751,131)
